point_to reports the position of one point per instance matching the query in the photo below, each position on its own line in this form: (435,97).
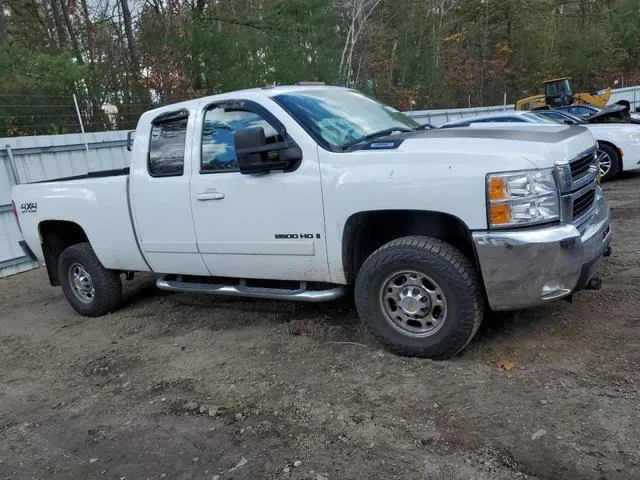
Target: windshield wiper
(381,133)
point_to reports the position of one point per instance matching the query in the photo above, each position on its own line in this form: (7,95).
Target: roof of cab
(266,91)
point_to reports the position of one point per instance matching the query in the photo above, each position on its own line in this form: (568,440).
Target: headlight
(522,198)
(633,137)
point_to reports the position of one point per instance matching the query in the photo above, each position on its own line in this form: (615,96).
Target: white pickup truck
(299,192)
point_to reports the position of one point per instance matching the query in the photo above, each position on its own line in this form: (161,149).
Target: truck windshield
(338,117)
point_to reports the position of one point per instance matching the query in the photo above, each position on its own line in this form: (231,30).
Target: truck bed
(97,202)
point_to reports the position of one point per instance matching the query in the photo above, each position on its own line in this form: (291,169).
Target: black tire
(107,285)
(449,269)
(616,163)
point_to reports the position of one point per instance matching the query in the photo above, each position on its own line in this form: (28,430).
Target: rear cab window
(167,145)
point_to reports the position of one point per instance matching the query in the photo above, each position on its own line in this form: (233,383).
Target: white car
(618,143)
(299,193)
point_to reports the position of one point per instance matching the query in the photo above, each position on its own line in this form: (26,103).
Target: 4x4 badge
(29,207)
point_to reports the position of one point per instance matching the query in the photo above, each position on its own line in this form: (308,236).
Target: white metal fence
(440,117)
(53,156)
(632,94)
(31,159)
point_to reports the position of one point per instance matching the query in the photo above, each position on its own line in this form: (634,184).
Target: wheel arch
(364,232)
(617,149)
(55,236)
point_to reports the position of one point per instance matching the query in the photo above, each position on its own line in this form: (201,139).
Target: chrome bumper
(525,268)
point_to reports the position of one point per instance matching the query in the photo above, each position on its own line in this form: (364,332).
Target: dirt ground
(182,386)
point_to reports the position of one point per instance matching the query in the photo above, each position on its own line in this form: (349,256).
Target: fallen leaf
(540,433)
(506,364)
(243,461)
(303,332)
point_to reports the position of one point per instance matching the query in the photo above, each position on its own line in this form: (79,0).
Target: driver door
(267,225)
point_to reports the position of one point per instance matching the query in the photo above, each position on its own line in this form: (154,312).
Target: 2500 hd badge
(295,236)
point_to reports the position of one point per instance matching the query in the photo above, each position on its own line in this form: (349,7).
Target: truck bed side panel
(99,206)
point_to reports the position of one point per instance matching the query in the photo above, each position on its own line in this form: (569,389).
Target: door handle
(203,197)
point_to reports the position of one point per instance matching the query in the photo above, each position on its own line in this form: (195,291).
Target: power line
(43,126)
(34,95)
(65,115)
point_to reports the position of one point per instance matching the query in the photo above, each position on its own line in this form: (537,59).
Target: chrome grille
(581,165)
(582,203)
(578,183)
(579,172)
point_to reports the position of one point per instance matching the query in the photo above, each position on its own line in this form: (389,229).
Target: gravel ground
(194,387)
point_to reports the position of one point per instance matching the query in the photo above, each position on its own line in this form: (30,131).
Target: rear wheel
(91,289)
(609,161)
(419,296)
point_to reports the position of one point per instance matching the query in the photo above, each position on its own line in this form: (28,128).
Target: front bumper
(529,267)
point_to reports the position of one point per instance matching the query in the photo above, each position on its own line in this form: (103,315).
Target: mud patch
(185,387)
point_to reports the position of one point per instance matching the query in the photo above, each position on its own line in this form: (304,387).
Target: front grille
(581,165)
(578,186)
(583,203)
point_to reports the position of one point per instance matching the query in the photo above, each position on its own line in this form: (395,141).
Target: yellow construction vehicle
(559,93)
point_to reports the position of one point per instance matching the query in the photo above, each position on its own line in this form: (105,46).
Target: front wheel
(90,289)
(419,296)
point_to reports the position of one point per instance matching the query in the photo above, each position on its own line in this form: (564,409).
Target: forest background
(131,55)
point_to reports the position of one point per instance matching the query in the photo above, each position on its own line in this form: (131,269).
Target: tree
(355,14)
(37,91)
(413,54)
(131,42)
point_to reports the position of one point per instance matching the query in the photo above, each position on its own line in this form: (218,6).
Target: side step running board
(173,284)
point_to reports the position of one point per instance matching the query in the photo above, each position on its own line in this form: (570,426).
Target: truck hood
(539,145)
